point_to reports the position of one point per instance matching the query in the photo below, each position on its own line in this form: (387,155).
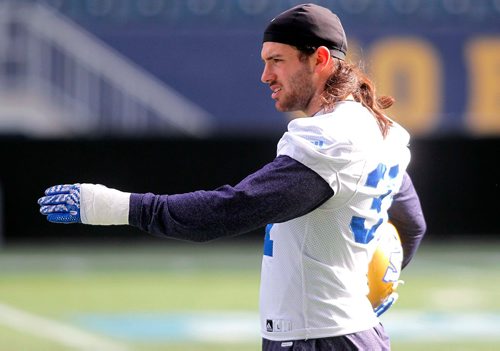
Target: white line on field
(56,331)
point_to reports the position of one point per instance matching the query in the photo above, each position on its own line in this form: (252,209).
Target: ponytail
(350,80)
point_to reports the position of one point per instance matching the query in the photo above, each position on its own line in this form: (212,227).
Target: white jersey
(314,268)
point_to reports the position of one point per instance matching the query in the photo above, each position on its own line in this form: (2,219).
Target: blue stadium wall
(438,58)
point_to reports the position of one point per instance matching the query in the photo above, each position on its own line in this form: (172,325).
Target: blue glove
(61,204)
(386,304)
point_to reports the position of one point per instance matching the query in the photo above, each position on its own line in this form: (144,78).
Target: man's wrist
(104,206)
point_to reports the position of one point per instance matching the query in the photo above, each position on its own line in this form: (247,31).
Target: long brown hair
(349,79)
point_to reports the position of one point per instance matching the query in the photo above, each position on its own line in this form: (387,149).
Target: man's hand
(61,204)
(386,304)
(85,203)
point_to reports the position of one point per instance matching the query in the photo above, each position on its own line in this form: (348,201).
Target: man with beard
(339,175)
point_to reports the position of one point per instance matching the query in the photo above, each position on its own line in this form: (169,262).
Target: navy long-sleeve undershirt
(406,215)
(282,190)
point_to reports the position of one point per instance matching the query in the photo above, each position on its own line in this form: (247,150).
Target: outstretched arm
(281,190)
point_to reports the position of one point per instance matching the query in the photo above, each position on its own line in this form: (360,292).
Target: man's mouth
(275,92)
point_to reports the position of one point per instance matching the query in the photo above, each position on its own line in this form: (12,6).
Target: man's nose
(267,75)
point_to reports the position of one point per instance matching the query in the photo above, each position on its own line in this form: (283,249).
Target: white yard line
(55,331)
(417,325)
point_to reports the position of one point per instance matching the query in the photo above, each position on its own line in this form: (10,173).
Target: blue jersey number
(268,243)
(363,235)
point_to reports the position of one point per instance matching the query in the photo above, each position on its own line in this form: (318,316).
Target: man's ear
(323,58)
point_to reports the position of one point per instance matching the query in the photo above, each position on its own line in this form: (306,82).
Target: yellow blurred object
(385,266)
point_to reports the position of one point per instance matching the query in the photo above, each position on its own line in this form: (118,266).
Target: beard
(299,92)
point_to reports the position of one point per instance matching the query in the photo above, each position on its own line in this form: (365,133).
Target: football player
(339,176)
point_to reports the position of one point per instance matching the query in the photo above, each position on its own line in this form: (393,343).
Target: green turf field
(205,297)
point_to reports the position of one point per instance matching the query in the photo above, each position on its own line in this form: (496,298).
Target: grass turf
(61,283)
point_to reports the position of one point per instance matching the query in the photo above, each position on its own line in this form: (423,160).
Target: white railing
(53,72)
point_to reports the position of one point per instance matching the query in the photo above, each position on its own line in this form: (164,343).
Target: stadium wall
(458,180)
